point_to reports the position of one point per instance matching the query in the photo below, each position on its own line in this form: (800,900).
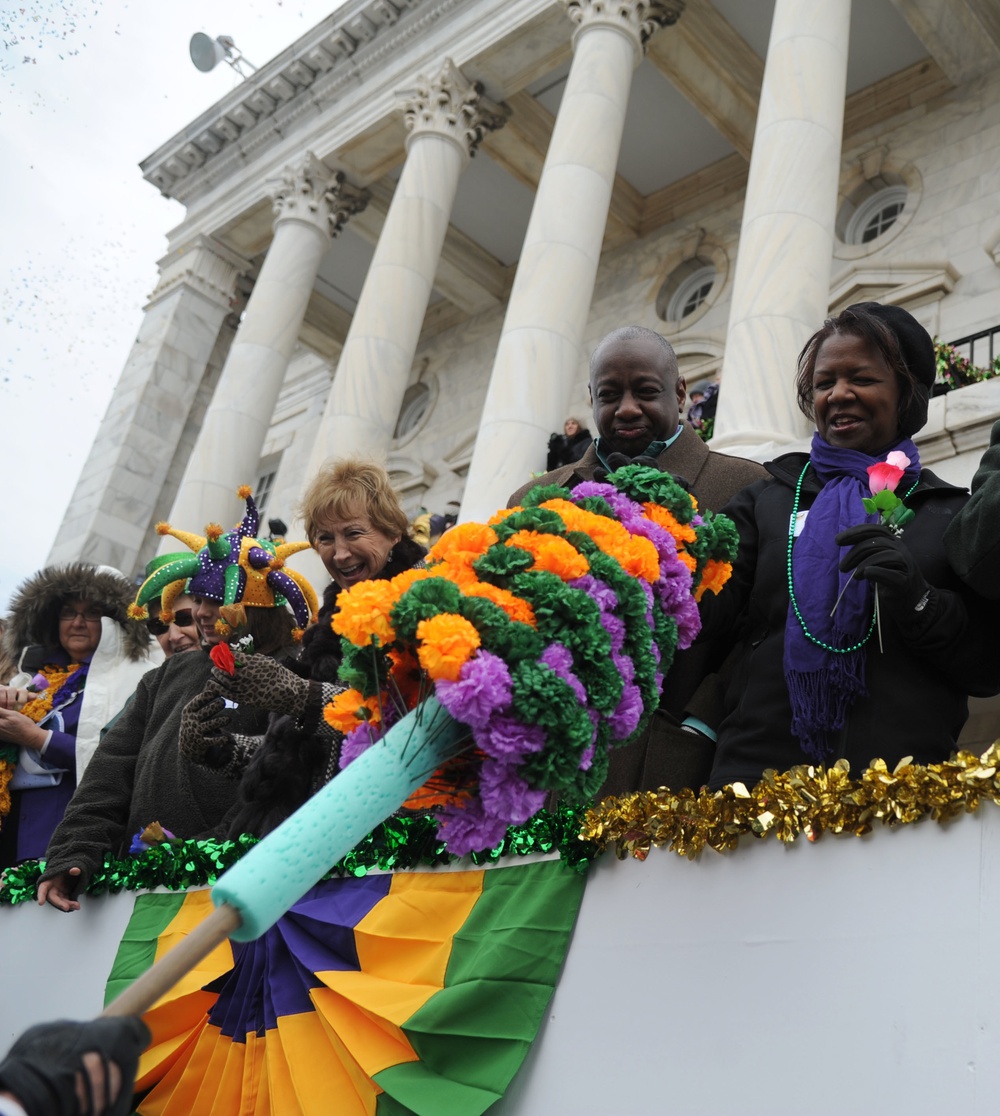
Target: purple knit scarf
(822,685)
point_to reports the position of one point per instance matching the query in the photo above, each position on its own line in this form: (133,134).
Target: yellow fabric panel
(173,1024)
(369,1040)
(404,945)
(390,1002)
(254,1087)
(196,908)
(317,1071)
(279,1080)
(367,1089)
(407,936)
(179,1091)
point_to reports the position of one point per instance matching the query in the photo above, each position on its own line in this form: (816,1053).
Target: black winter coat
(564,450)
(916,703)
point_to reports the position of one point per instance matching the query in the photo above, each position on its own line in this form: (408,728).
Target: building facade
(405,234)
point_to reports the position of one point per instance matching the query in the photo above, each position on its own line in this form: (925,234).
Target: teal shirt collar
(654,449)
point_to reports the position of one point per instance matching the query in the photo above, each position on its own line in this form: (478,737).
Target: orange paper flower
(713,577)
(349,709)
(516,607)
(682,532)
(406,676)
(447,642)
(609,535)
(463,544)
(551,553)
(364,613)
(401,582)
(464,576)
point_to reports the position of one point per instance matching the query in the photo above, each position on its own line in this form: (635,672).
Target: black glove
(204,734)
(880,555)
(620,460)
(42,1066)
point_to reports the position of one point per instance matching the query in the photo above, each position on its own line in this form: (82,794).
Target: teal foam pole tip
(279,870)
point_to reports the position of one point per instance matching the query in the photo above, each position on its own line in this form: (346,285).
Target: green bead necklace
(791,588)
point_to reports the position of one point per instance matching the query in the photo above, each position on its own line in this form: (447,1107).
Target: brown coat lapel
(714,477)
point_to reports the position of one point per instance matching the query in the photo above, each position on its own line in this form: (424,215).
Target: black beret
(917,351)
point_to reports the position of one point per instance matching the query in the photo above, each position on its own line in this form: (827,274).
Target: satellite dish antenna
(207,53)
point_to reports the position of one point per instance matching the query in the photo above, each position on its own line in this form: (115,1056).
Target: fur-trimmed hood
(33,613)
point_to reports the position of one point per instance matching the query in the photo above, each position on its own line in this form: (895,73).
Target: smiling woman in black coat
(805,686)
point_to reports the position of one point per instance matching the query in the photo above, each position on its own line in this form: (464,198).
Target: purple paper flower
(615,627)
(37,684)
(505,794)
(626,717)
(356,742)
(599,591)
(593,488)
(688,622)
(558,659)
(469,828)
(508,738)
(673,586)
(140,846)
(624,666)
(483,689)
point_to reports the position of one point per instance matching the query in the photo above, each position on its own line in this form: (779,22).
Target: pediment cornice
(305,79)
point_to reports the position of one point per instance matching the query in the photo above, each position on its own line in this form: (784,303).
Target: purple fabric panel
(272,976)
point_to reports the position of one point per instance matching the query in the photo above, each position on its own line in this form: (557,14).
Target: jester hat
(232,567)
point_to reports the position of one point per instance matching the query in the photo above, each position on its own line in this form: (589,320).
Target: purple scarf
(822,685)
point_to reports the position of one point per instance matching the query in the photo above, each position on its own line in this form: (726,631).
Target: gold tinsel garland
(805,801)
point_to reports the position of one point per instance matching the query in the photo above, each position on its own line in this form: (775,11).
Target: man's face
(636,393)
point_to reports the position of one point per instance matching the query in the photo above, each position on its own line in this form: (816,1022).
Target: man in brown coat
(637,395)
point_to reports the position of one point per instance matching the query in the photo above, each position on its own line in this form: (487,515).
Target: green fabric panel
(472,1036)
(151,915)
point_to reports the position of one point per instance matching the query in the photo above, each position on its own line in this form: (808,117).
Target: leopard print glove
(204,734)
(263,682)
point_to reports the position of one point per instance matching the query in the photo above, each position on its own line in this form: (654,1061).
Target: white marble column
(446,117)
(541,346)
(781,288)
(119,495)
(311,205)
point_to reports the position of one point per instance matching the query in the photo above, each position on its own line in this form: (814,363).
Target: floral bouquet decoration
(545,633)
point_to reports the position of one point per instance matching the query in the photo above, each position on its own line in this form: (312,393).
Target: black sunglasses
(183,618)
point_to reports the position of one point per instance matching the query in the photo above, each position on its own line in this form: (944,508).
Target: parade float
(394,946)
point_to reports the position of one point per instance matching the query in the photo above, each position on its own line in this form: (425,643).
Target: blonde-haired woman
(353,519)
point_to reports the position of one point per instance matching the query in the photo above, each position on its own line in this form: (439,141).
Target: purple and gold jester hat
(231,567)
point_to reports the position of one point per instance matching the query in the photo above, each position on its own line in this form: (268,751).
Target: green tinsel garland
(398,843)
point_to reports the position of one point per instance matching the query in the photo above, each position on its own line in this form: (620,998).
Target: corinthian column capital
(309,191)
(640,19)
(450,105)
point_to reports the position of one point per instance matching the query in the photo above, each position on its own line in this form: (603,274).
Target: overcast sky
(86,92)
